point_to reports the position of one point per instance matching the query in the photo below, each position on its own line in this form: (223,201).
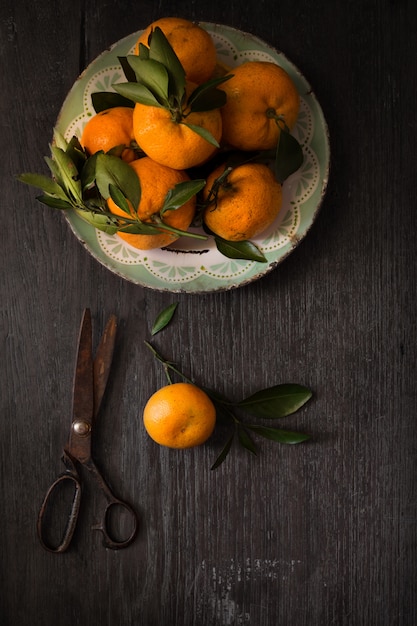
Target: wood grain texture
(314,535)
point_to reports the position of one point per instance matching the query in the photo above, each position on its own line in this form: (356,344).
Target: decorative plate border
(188,266)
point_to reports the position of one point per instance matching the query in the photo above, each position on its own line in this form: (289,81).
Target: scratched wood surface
(314,535)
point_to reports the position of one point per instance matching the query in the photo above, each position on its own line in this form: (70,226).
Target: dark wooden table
(313,535)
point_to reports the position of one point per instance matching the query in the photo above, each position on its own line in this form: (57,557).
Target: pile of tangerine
(257,94)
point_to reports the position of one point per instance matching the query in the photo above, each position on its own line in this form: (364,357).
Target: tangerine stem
(279,119)
(220,181)
(159,223)
(167,365)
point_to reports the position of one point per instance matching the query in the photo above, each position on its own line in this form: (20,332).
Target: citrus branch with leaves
(84,184)
(269,404)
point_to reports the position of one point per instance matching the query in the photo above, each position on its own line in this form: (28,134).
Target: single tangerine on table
(110,129)
(192,44)
(172,143)
(180,415)
(156,181)
(259,94)
(244,204)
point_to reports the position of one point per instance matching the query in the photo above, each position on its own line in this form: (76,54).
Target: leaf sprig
(271,403)
(84,184)
(160,81)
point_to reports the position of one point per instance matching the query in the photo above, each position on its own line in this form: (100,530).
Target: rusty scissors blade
(103,360)
(83,390)
(90,381)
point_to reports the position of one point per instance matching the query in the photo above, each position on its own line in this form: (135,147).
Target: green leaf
(111,170)
(59,140)
(127,70)
(76,153)
(48,185)
(117,150)
(68,173)
(239,250)
(153,75)
(206,97)
(209,101)
(164,318)
(103,100)
(246,440)
(88,172)
(289,156)
(55,171)
(223,454)
(210,84)
(279,435)
(143,51)
(203,132)
(119,199)
(138,93)
(180,194)
(54,202)
(277,401)
(100,221)
(161,50)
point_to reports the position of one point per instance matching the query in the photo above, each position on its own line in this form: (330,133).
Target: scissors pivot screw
(81,428)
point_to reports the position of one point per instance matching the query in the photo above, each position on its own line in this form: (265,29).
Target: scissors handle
(69,476)
(115,510)
(119,507)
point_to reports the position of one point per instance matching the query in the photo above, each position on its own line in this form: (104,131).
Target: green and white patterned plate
(195,266)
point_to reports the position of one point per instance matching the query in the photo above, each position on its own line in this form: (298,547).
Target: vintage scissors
(89,384)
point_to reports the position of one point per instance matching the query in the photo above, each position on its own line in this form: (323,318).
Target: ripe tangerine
(110,129)
(192,44)
(180,415)
(171,142)
(244,204)
(258,95)
(156,180)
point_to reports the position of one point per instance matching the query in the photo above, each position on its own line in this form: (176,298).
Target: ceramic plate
(188,266)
